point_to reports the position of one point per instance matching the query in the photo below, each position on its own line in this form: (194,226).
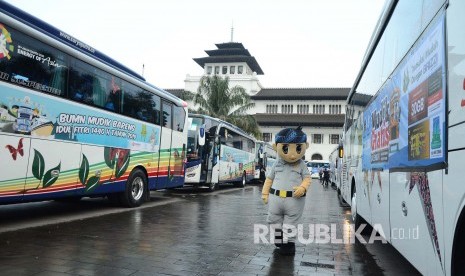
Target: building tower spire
(232,31)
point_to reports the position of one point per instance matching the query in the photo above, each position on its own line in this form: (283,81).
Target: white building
(320,111)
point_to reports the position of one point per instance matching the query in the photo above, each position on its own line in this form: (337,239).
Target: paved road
(179,233)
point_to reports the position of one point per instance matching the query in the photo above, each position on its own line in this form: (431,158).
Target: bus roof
(233,127)
(67,39)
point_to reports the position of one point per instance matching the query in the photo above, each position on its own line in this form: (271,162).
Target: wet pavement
(183,232)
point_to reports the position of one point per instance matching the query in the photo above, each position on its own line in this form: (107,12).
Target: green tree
(215,98)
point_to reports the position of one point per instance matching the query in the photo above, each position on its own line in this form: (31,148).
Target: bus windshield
(315,166)
(192,138)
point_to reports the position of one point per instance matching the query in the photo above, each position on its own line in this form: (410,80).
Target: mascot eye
(299,148)
(285,148)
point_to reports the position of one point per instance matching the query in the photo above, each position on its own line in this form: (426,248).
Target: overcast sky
(297,43)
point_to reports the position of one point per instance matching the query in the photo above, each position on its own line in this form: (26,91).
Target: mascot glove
(265,198)
(299,191)
(266,190)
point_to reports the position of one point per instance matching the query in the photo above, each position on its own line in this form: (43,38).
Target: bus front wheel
(212,187)
(136,187)
(243,181)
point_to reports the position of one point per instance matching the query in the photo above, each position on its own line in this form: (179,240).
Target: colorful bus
(75,123)
(403,142)
(265,157)
(218,152)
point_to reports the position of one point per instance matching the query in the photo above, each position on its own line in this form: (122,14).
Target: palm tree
(214,98)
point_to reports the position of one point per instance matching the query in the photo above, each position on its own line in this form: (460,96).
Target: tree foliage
(215,98)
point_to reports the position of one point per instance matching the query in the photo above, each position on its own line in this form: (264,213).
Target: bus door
(205,165)
(203,143)
(16,157)
(178,147)
(214,161)
(164,168)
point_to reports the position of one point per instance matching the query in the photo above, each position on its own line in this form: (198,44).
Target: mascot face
(291,144)
(291,152)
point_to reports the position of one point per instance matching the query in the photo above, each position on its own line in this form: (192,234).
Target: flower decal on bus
(115,158)
(46,179)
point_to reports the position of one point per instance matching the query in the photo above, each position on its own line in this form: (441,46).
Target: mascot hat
(290,135)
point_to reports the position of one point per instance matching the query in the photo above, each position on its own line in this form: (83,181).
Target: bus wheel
(136,187)
(340,198)
(212,187)
(458,249)
(356,219)
(243,181)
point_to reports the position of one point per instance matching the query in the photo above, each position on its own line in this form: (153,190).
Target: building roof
(230,52)
(302,94)
(315,120)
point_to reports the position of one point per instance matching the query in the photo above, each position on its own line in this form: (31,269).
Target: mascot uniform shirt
(287,175)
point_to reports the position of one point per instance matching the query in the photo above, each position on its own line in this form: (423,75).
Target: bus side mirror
(201,135)
(340,151)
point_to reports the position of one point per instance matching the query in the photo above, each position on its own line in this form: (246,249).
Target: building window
(287,109)
(334,138)
(217,70)
(267,137)
(232,70)
(317,156)
(271,108)
(317,138)
(334,109)
(240,69)
(209,70)
(318,109)
(303,109)
(225,70)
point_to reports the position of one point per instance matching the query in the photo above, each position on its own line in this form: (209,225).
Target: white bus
(334,167)
(218,152)
(264,159)
(315,166)
(75,123)
(403,152)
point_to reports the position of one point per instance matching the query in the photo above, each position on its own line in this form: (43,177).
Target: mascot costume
(285,187)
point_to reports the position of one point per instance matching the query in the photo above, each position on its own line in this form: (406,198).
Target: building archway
(317,156)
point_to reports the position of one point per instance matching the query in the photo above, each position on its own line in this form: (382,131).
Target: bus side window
(80,81)
(178,118)
(167,115)
(113,92)
(35,72)
(82,91)
(222,136)
(156,107)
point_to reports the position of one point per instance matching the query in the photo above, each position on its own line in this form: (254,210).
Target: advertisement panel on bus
(404,126)
(30,114)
